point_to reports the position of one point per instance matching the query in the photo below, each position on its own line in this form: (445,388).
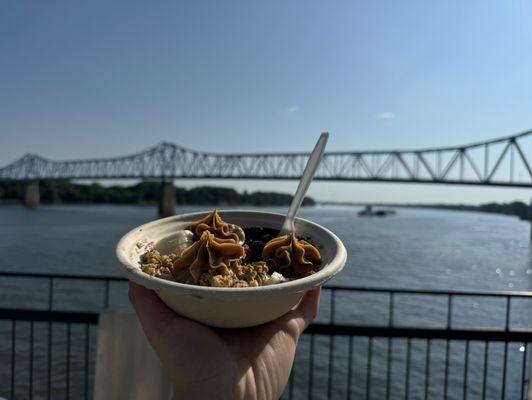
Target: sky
(99,78)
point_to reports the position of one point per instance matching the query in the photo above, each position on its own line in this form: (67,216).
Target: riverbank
(516,208)
(143,193)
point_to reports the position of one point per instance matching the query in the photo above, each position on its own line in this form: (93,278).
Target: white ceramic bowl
(229,307)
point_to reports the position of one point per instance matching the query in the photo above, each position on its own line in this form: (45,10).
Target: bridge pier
(167,201)
(31,194)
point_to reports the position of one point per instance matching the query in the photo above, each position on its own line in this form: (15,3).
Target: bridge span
(498,162)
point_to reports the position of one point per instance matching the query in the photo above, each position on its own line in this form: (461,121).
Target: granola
(220,254)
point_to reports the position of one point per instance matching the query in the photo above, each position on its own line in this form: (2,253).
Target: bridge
(497,162)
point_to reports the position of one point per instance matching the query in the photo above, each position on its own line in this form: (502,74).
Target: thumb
(306,310)
(153,314)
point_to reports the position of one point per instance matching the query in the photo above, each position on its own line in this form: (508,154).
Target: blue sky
(91,79)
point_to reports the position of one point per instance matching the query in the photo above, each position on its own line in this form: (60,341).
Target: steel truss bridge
(499,162)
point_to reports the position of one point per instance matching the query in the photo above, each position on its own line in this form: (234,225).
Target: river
(416,249)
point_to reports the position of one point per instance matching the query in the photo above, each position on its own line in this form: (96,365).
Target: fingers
(306,310)
(153,314)
(309,305)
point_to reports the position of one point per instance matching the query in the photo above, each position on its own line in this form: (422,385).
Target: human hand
(213,363)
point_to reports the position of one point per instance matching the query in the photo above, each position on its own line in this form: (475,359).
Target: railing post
(332,310)
(106,297)
(50,293)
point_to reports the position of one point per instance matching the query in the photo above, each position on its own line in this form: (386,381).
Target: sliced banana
(239,231)
(176,243)
(275,278)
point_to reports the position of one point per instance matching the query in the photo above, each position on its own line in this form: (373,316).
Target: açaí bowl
(230,307)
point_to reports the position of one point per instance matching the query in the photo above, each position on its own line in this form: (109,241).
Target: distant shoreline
(144,193)
(64,192)
(516,208)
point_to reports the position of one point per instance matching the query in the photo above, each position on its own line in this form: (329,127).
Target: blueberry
(266,238)
(253,233)
(256,247)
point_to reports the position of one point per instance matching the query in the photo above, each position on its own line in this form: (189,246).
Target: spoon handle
(304,183)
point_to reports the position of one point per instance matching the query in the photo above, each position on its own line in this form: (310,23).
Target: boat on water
(369,212)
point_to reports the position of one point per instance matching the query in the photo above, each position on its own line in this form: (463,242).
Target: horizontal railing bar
(60,276)
(490,293)
(324,329)
(18,314)
(330,287)
(422,333)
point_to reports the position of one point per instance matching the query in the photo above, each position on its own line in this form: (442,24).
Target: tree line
(517,208)
(65,192)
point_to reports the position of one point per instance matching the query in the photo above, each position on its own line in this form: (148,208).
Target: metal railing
(55,376)
(399,344)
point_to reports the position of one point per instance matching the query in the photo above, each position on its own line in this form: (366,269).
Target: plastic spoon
(304,183)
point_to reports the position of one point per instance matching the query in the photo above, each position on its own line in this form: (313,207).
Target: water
(417,248)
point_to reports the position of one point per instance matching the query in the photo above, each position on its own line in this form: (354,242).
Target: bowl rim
(133,272)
